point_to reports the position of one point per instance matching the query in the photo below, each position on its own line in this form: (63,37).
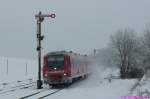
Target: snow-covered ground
(143,87)
(96,86)
(18,69)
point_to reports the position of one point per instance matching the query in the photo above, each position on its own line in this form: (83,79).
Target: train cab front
(55,69)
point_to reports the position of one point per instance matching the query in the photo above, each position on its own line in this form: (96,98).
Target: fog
(80,25)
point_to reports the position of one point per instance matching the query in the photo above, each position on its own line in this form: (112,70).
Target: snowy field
(94,87)
(13,69)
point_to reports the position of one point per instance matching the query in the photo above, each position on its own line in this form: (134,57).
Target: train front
(55,69)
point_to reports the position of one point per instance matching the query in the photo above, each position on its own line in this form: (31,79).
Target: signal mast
(40,18)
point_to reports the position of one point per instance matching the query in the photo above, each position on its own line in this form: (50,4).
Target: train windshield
(56,62)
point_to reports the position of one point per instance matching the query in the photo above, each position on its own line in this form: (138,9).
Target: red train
(63,67)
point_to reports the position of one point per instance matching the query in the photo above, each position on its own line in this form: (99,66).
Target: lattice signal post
(40,18)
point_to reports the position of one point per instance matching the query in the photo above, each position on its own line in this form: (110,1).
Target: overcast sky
(80,25)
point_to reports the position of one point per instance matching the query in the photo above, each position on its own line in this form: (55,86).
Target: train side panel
(79,66)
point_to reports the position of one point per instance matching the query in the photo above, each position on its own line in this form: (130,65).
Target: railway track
(14,84)
(17,87)
(41,94)
(20,85)
(49,94)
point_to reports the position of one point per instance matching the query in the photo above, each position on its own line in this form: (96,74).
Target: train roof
(56,52)
(63,52)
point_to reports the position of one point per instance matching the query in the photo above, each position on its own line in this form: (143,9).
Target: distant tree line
(128,51)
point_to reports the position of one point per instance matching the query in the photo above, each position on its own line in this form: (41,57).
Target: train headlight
(65,74)
(55,68)
(46,75)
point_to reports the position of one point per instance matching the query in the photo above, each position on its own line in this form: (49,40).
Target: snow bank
(143,88)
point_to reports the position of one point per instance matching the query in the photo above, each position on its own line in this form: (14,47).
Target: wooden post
(26,68)
(7,66)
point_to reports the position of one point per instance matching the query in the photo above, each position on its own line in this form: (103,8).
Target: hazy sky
(80,25)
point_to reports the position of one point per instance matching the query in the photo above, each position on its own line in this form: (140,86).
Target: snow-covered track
(32,94)
(39,94)
(17,87)
(14,84)
(49,94)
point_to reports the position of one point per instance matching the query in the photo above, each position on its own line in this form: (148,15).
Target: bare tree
(124,44)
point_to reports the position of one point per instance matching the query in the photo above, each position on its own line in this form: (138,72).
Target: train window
(51,59)
(56,61)
(60,58)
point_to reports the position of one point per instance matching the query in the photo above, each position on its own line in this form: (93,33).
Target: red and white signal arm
(53,15)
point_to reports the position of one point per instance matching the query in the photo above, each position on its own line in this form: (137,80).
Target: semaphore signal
(40,18)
